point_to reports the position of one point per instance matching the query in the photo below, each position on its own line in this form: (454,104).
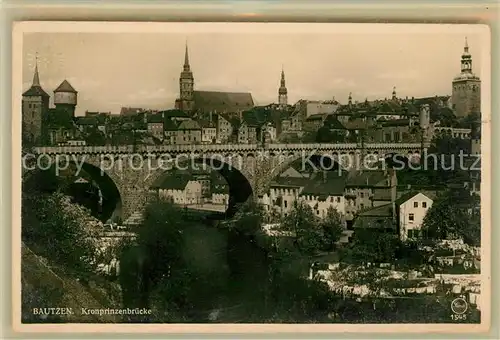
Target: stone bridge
(130,171)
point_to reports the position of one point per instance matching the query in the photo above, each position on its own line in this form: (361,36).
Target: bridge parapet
(213,148)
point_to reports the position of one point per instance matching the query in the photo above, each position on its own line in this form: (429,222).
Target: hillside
(45,285)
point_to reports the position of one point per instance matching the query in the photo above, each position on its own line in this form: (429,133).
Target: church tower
(282,92)
(185,101)
(466,91)
(35,107)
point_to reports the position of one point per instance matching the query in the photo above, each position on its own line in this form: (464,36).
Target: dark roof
(333,123)
(232,119)
(356,124)
(35,91)
(295,182)
(369,178)
(175,181)
(318,116)
(59,118)
(65,87)
(222,101)
(324,184)
(155,118)
(169,125)
(396,122)
(380,211)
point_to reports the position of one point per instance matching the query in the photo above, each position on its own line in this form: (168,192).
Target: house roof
(292,182)
(382,194)
(369,178)
(222,101)
(205,124)
(176,181)
(65,87)
(189,125)
(396,122)
(409,195)
(324,184)
(333,123)
(169,125)
(154,118)
(35,91)
(380,211)
(318,116)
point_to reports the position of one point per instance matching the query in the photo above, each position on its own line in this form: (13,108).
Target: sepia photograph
(249,173)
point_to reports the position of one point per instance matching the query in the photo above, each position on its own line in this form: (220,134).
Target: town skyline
(226,62)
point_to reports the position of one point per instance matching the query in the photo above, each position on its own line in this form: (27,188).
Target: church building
(208,101)
(466,91)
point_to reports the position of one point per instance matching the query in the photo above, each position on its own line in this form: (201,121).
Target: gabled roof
(222,101)
(408,196)
(290,182)
(318,116)
(333,123)
(206,124)
(65,87)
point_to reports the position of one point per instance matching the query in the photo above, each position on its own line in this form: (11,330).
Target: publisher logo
(459,306)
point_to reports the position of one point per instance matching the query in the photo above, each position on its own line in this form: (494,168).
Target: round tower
(66,98)
(425,116)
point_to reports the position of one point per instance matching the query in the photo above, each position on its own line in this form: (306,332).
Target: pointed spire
(186,58)
(466,47)
(36,77)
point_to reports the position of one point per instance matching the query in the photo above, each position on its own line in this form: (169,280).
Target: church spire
(282,91)
(394,92)
(186,59)
(36,77)
(466,59)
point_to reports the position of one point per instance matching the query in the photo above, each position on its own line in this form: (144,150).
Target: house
(226,125)
(249,130)
(180,189)
(155,125)
(283,192)
(220,191)
(188,132)
(324,190)
(314,122)
(170,129)
(208,131)
(411,210)
(379,219)
(361,187)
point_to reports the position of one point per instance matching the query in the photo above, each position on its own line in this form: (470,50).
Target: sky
(114,70)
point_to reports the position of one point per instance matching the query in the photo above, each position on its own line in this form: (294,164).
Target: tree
(56,228)
(302,222)
(454,216)
(333,227)
(248,219)
(371,246)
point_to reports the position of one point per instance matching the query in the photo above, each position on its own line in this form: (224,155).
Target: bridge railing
(200,148)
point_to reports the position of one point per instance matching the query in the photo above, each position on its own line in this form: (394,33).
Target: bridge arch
(230,167)
(111,197)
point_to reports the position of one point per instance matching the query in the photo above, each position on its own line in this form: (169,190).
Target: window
(361,195)
(411,217)
(362,206)
(331,199)
(338,199)
(424,204)
(285,202)
(317,212)
(415,204)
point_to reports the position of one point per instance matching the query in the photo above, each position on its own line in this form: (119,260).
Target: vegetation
(454,215)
